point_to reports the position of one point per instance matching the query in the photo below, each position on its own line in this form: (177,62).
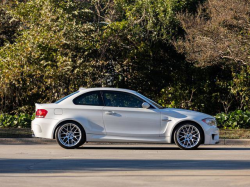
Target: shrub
(16,121)
(237,119)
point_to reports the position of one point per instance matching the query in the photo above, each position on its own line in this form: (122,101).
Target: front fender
(173,123)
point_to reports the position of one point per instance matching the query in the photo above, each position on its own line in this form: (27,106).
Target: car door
(123,115)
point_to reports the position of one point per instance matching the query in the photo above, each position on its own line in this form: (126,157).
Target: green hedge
(237,119)
(16,121)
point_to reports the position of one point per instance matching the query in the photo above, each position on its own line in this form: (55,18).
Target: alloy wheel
(188,136)
(69,134)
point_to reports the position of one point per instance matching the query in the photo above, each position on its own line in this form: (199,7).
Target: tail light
(41,113)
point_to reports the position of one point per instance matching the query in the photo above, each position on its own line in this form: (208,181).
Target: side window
(91,98)
(60,100)
(121,99)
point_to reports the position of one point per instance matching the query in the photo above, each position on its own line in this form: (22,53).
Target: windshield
(60,100)
(153,102)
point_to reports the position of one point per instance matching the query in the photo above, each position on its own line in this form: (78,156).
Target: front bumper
(212,136)
(33,135)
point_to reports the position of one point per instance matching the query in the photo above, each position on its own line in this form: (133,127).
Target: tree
(219,35)
(135,46)
(47,59)
(8,27)
(62,45)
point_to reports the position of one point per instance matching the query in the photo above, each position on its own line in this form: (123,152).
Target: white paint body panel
(132,122)
(124,125)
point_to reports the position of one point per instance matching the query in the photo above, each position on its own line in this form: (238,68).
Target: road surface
(114,165)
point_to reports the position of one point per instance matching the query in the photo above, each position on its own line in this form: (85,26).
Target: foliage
(16,121)
(135,46)
(236,90)
(218,34)
(237,119)
(169,50)
(62,45)
(47,57)
(8,27)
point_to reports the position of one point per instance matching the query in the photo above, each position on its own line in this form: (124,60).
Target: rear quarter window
(89,98)
(60,100)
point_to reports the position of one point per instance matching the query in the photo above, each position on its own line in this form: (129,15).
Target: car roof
(105,88)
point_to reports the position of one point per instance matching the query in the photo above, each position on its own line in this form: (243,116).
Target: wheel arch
(68,120)
(186,121)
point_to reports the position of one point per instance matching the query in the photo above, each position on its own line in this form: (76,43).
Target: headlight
(210,121)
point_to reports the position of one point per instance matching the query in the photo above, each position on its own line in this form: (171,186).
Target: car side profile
(120,115)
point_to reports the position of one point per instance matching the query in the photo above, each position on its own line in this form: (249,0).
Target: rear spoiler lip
(45,105)
(36,104)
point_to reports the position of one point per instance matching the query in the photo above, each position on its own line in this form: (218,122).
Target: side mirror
(145,105)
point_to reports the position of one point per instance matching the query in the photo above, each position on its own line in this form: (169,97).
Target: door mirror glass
(145,105)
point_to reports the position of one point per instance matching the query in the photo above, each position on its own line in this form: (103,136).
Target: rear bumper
(43,128)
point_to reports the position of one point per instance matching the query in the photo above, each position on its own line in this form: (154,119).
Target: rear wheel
(70,135)
(188,136)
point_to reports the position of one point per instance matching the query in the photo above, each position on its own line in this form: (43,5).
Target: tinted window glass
(92,98)
(66,97)
(122,99)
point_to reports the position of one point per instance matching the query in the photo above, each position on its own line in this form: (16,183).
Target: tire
(188,136)
(70,135)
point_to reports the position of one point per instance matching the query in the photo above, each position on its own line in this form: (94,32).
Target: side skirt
(106,138)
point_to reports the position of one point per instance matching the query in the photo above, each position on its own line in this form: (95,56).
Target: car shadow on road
(130,148)
(226,148)
(163,148)
(86,165)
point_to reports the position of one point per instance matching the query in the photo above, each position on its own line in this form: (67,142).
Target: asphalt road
(124,165)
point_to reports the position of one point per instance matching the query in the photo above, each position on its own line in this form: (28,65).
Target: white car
(120,115)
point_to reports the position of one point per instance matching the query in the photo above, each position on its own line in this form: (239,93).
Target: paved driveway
(124,165)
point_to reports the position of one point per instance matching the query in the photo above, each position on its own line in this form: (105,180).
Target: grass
(235,134)
(15,133)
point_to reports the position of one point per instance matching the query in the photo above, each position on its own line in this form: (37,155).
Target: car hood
(182,113)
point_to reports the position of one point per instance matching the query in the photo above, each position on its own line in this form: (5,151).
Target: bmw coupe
(120,115)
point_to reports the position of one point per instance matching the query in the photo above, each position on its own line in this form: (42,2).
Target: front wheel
(188,136)
(70,135)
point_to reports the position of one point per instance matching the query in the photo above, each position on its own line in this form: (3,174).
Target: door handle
(109,112)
